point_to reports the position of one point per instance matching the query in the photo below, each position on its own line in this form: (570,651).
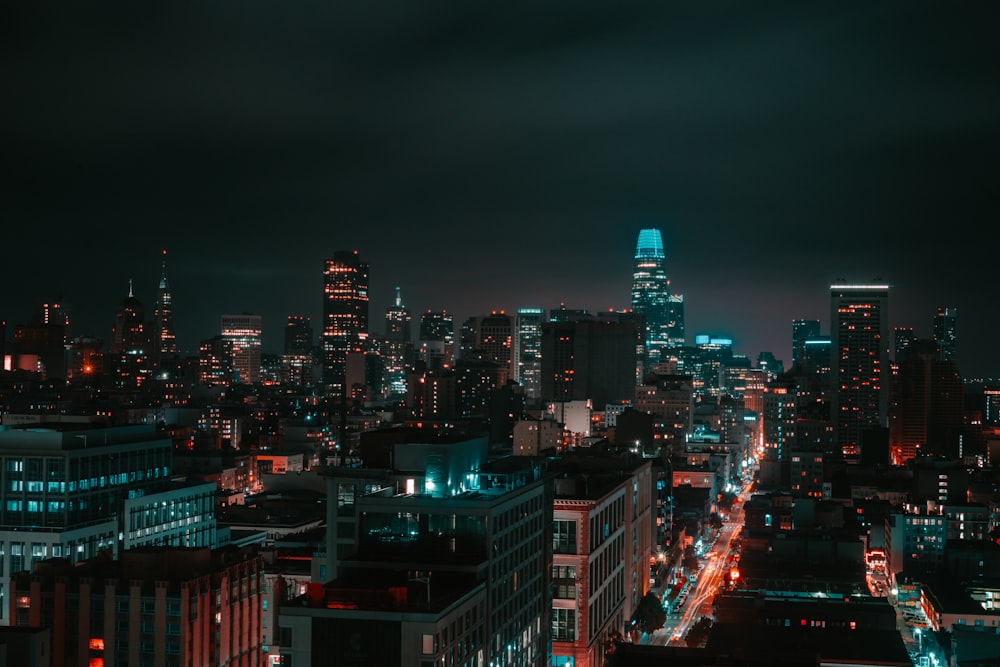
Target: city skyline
(483,159)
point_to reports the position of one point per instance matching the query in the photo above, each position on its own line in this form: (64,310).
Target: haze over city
(485,158)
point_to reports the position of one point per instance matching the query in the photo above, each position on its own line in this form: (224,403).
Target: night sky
(505,156)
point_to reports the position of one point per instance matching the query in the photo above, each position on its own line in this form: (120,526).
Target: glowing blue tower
(664,312)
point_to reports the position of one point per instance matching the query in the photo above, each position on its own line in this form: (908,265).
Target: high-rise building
(902,337)
(926,411)
(492,335)
(398,348)
(243,331)
(215,362)
(588,359)
(298,335)
(651,296)
(859,316)
(163,318)
(437,339)
(802,330)
(131,344)
(528,351)
(944,332)
(297,360)
(345,315)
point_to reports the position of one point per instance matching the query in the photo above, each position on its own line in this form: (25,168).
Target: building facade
(153,606)
(243,332)
(860,339)
(651,296)
(345,316)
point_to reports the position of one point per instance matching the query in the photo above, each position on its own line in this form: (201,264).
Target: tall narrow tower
(651,297)
(398,345)
(944,332)
(163,317)
(859,317)
(345,315)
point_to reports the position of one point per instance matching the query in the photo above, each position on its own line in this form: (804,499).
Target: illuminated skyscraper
(801,331)
(491,335)
(528,350)
(437,339)
(651,296)
(398,351)
(859,316)
(345,315)
(131,344)
(297,360)
(163,318)
(903,336)
(944,332)
(243,331)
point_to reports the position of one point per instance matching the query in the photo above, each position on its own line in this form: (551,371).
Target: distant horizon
(494,157)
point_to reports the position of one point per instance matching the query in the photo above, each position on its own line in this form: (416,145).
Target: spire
(399,299)
(130,295)
(163,272)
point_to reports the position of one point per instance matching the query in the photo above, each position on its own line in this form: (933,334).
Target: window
(427,644)
(563,625)
(564,537)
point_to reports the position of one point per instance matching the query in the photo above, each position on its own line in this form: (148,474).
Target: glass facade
(651,297)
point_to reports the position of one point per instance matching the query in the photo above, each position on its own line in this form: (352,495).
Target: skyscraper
(297,360)
(437,339)
(528,350)
(801,331)
(243,331)
(398,346)
(163,317)
(903,337)
(926,410)
(651,296)
(130,343)
(345,315)
(298,335)
(859,316)
(944,332)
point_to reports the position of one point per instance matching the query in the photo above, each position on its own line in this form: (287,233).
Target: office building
(216,362)
(926,412)
(437,339)
(443,560)
(298,335)
(802,330)
(345,316)
(398,347)
(163,317)
(66,492)
(243,332)
(651,296)
(945,335)
(151,606)
(859,316)
(297,359)
(490,337)
(131,344)
(527,354)
(588,359)
(902,337)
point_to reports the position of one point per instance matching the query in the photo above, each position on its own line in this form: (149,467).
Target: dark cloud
(485,157)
